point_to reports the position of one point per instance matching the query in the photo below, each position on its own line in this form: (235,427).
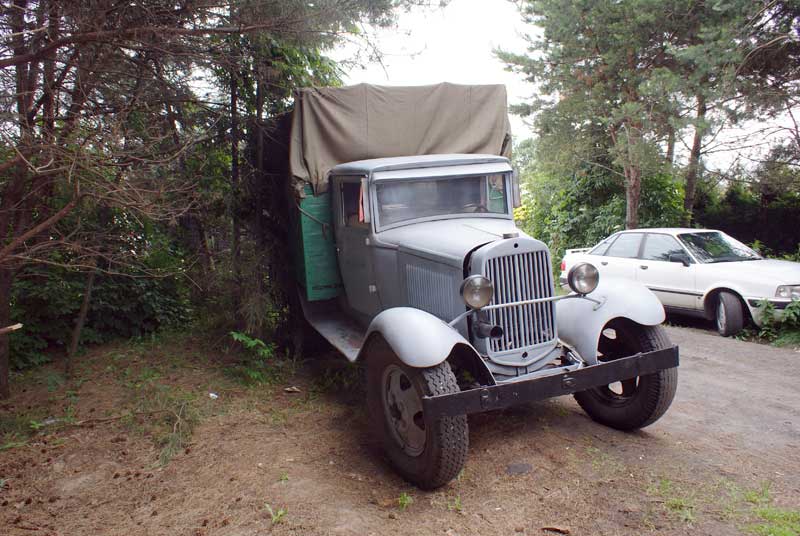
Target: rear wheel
(638,402)
(426,454)
(729,314)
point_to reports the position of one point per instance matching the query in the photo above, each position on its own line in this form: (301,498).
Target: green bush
(257,364)
(784,331)
(582,210)
(47,299)
(750,217)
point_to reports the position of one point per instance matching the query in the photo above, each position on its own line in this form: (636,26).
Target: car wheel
(729,314)
(638,402)
(427,454)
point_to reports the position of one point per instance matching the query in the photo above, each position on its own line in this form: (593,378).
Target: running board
(335,326)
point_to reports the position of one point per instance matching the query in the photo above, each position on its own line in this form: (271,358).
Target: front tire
(729,315)
(431,455)
(639,402)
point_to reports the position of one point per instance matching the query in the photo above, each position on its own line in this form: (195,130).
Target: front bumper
(778,303)
(757,311)
(519,392)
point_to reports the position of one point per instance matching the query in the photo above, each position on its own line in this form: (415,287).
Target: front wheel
(428,455)
(729,315)
(638,402)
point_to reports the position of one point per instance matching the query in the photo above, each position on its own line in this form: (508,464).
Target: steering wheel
(479,208)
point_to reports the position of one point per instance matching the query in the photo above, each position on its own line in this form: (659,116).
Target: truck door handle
(604,263)
(643,267)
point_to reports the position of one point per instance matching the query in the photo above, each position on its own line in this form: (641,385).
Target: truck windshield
(714,246)
(401,200)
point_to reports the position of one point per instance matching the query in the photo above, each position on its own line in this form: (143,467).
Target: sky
(450,44)
(455,44)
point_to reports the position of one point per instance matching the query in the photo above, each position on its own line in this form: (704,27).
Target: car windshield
(713,246)
(402,200)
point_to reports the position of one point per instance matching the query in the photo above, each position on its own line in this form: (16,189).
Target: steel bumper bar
(519,392)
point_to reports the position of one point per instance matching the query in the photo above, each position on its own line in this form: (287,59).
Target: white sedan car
(700,272)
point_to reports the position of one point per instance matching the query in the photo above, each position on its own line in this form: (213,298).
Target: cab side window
(659,247)
(351,204)
(625,246)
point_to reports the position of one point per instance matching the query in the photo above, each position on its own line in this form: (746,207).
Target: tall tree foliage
(99,110)
(643,71)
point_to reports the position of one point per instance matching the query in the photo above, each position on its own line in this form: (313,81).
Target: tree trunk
(671,145)
(693,169)
(6,280)
(259,189)
(235,224)
(633,192)
(76,331)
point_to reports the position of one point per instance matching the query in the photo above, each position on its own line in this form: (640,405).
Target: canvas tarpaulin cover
(331,126)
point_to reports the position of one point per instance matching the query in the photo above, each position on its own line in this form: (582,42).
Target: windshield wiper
(714,261)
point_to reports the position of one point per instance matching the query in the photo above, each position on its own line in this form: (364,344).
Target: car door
(352,246)
(672,282)
(621,257)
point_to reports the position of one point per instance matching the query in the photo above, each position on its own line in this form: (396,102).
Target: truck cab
(409,230)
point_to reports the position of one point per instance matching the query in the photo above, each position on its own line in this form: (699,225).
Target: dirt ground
(264,461)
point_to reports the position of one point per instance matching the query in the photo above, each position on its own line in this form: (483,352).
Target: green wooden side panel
(314,249)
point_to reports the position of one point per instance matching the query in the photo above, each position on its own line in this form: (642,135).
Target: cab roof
(368,167)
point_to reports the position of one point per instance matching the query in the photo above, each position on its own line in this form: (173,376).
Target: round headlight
(477,291)
(583,278)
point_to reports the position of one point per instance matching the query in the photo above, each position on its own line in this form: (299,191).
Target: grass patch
(404,501)
(340,377)
(276,516)
(788,338)
(455,505)
(681,505)
(171,415)
(776,522)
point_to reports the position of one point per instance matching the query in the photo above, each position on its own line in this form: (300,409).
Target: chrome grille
(519,277)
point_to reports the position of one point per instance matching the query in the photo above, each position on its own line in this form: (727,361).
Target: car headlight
(788,291)
(477,291)
(583,278)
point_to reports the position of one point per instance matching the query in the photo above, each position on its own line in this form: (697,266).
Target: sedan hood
(448,240)
(779,272)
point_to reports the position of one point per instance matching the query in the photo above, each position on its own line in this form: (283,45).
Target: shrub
(47,299)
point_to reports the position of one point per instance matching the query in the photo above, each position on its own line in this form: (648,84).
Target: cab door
(353,252)
(672,282)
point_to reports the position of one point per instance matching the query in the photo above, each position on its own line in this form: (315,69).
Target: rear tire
(729,314)
(428,456)
(638,402)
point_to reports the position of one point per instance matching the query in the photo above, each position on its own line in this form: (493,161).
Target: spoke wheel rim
(619,393)
(402,409)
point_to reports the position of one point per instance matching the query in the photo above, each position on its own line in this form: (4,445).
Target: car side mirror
(682,258)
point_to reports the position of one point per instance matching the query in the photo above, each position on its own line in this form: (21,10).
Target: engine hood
(450,240)
(774,270)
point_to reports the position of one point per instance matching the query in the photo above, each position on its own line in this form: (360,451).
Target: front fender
(580,322)
(418,338)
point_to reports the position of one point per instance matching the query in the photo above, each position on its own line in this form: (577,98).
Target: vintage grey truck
(409,261)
